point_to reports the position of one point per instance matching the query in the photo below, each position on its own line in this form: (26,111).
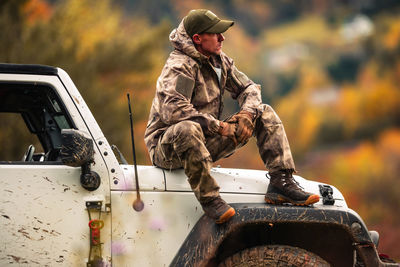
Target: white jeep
(71,203)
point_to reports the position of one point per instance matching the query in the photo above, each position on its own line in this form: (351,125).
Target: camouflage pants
(185,145)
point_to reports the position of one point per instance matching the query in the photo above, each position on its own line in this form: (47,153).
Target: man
(185,130)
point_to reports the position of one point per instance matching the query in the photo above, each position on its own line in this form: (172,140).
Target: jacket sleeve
(243,89)
(174,91)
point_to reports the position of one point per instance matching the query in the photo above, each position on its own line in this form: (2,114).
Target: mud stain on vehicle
(47,179)
(17,259)
(24,233)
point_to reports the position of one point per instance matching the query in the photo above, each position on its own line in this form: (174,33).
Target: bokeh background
(330,68)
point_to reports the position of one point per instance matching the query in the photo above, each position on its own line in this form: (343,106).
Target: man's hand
(228,130)
(245,125)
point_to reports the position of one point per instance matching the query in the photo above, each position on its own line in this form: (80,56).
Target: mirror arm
(90,180)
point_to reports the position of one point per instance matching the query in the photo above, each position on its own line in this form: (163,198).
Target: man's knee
(269,115)
(189,140)
(187,130)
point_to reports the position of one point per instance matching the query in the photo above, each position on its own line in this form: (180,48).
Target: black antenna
(138,204)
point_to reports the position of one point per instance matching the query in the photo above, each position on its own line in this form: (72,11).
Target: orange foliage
(389,143)
(310,122)
(36,10)
(301,118)
(364,173)
(392,37)
(380,101)
(348,107)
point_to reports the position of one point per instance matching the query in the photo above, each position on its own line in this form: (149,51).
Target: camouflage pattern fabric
(184,119)
(188,89)
(185,145)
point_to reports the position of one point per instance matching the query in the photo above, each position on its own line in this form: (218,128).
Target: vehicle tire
(274,255)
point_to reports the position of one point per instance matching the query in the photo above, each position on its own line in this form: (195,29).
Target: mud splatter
(66,189)
(55,233)
(39,221)
(47,179)
(15,258)
(24,233)
(60,259)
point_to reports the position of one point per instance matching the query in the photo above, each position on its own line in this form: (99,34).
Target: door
(44,210)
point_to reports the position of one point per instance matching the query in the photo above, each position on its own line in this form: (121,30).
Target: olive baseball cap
(203,20)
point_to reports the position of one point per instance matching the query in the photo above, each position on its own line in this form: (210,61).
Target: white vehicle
(71,203)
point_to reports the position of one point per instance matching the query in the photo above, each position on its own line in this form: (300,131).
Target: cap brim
(220,27)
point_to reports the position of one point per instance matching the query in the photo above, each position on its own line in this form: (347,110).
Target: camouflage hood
(181,41)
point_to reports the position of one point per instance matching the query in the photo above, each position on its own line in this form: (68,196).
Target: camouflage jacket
(188,89)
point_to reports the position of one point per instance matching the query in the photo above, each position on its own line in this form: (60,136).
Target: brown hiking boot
(283,188)
(218,210)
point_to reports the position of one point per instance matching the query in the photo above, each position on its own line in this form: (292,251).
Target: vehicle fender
(330,232)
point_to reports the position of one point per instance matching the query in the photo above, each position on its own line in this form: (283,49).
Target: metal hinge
(95,225)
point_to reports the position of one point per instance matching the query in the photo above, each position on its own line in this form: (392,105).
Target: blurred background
(330,68)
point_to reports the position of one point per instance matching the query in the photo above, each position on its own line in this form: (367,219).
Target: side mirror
(77,148)
(77,151)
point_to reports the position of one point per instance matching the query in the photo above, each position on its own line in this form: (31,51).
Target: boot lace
(290,182)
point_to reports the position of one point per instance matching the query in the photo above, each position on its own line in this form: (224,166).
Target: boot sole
(276,199)
(226,216)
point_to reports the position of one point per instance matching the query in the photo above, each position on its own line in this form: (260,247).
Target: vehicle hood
(232,181)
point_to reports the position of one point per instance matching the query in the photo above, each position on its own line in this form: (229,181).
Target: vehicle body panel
(153,236)
(168,217)
(244,181)
(44,218)
(151,178)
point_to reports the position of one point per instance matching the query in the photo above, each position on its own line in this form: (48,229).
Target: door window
(31,119)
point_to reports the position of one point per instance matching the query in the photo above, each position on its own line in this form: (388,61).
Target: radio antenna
(138,204)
